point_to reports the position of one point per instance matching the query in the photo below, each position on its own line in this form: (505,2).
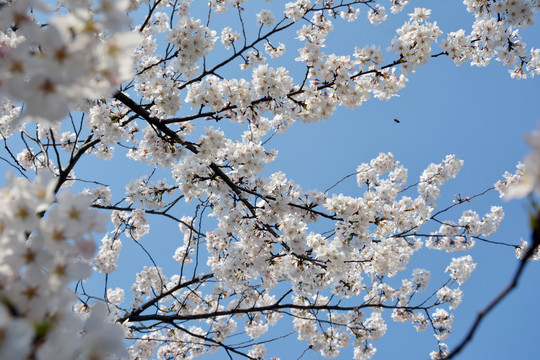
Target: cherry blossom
(251,249)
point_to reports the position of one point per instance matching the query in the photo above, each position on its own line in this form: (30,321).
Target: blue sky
(480,114)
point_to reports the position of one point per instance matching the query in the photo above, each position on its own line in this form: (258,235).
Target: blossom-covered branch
(82,82)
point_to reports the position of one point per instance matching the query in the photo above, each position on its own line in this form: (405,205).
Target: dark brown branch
(65,172)
(152,212)
(154,300)
(149,16)
(509,288)
(274,307)
(460,201)
(208,339)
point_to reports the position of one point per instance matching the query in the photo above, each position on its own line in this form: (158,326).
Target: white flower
(461,268)
(442,323)
(228,37)
(420,14)
(265,17)
(377,15)
(529,180)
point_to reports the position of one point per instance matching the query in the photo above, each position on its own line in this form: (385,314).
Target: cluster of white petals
(67,60)
(461,268)
(257,247)
(41,255)
(496,34)
(526,180)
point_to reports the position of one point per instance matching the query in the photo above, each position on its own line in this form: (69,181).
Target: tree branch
(509,288)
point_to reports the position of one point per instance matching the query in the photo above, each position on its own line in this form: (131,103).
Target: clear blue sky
(480,114)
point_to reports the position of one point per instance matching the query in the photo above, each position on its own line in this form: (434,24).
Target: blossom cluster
(47,241)
(527,177)
(76,56)
(267,233)
(496,34)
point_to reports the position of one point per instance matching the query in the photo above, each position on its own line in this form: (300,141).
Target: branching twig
(509,288)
